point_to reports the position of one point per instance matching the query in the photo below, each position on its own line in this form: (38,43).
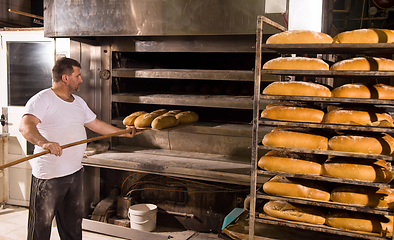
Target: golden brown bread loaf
(357,36)
(299,37)
(359,90)
(159,111)
(365,36)
(296,63)
(295,212)
(279,161)
(173,112)
(164,121)
(145,120)
(357,117)
(187,117)
(295,138)
(369,170)
(297,88)
(385,35)
(364,196)
(357,221)
(364,64)
(379,143)
(281,186)
(293,113)
(129,120)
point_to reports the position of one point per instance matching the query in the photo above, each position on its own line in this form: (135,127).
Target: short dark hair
(63,66)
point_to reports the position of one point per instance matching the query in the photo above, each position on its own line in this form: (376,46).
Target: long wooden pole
(25,14)
(63,147)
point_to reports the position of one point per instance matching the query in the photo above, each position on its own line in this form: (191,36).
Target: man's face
(75,80)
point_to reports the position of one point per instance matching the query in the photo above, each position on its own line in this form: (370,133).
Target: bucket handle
(143,222)
(140,223)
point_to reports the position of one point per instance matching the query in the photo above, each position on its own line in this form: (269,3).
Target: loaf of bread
(281,186)
(385,35)
(187,117)
(290,113)
(164,121)
(295,138)
(295,212)
(297,88)
(384,91)
(364,64)
(160,111)
(173,112)
(357,221)
(296,63)
(357,36)
(357,117)
(365,36)
(129,120)
(279,161)
(299,37)
(145,120)
(359,90)
(364,196)
(378,143)
(369,170)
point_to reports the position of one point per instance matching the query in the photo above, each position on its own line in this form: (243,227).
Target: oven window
(29,68)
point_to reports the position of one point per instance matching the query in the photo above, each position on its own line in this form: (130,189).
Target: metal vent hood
(85,18)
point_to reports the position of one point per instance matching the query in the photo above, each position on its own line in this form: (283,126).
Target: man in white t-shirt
(54,117)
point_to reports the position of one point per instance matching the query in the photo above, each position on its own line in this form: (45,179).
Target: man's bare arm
(28,129)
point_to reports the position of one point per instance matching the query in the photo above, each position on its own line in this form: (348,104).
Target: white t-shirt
(61,122)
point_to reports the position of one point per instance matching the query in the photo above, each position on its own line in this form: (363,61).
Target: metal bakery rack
(255,194)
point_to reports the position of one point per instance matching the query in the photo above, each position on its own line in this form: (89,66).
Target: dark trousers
(61,197)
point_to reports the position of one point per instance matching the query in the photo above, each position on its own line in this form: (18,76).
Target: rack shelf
(263,218)
(324,178)
(329,73)
(328,99)
(329,152)
(334,48)
(326,126)
(328,204)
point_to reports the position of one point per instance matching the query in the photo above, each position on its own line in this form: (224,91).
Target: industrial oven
(177,55)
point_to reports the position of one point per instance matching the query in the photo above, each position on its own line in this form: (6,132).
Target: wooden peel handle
(63,147)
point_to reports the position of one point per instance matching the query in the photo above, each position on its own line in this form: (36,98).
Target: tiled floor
(13,226)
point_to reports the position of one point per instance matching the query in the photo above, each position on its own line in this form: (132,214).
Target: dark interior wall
(37,8)
(347,14)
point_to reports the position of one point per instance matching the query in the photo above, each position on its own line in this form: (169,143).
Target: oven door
(26,60)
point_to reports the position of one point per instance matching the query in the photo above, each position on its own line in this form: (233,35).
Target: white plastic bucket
(143,216)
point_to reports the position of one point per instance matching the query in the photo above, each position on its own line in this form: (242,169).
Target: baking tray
(333,48)
(264,218)
(325,178)
(328,99)
(271,122)
(329,152)
(328,204)
(329,73)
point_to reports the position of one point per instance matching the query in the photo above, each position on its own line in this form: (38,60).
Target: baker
(54,117)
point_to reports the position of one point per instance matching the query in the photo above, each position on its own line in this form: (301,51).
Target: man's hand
(133,132)
(53,147)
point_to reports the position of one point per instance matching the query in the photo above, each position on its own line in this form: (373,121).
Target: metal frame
(256,109)
(328,48)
